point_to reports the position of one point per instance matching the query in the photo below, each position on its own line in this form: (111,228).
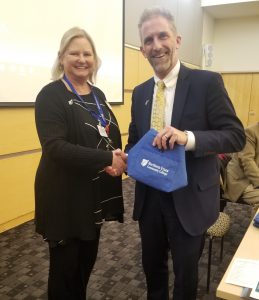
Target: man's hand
(168,137)
(119,163)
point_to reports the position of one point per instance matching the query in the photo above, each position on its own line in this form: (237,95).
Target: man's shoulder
(200,72)
(146,84)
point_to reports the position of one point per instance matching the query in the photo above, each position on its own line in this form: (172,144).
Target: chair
(217,230)
(222,224)
(223,162)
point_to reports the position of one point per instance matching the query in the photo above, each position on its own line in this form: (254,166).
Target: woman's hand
(119,163)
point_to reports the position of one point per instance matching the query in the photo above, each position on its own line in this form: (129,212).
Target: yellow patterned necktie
(158,112)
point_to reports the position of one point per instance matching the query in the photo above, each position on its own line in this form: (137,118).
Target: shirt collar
(171,78)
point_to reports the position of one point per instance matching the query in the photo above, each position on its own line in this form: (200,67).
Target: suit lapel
(147,101)
(181,92)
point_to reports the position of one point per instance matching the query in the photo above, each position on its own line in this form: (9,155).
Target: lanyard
(100,116)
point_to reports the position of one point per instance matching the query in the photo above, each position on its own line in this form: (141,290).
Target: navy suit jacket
(202,106)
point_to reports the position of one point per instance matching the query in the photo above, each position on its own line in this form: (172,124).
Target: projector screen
(30,34)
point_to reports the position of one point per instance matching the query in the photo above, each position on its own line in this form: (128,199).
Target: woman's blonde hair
(75,32)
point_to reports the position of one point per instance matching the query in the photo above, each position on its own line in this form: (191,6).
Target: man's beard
(163,67)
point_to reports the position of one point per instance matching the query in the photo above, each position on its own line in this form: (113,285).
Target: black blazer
(69,189)
(202,106)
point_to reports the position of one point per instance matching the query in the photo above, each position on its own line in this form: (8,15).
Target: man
(242,173)
(199,115)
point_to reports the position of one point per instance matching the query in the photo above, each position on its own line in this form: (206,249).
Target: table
(249,249)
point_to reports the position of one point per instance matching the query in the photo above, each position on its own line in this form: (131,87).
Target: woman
(80,139)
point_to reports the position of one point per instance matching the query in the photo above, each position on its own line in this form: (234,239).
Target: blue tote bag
(164,170)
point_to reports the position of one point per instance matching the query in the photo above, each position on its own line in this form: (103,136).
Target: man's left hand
(168,137)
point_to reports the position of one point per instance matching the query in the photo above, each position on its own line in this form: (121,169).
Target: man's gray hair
(155,11)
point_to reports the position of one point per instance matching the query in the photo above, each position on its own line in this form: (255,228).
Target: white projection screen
(30,34)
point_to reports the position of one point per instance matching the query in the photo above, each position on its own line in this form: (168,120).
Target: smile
(159,56)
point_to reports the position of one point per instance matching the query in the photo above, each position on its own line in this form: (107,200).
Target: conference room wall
(19,146)
(20,149)
(243,89)
(19,157)
(236,45)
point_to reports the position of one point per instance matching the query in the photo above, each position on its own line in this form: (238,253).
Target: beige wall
(19,156)
(235,46)
(243,89)
(235,43)
(20,149)
(188,19)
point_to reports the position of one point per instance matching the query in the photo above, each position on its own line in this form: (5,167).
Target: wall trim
(17,221)
(132,47)
(17,104)
(10,155)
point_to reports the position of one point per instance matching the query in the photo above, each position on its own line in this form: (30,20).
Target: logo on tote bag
(163,170)
(144,162)
(154,167)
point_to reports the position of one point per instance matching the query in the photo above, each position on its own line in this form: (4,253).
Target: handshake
(119,163)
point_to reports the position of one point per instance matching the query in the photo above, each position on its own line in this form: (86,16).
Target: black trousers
(162,232)
(70,268)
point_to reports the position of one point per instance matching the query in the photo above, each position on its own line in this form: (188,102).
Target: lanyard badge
(102,131)
(103,126)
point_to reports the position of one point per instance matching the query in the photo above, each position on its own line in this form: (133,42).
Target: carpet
(118,271)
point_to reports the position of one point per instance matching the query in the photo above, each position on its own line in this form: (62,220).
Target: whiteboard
(30,34)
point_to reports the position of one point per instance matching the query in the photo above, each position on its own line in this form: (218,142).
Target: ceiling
(237,10)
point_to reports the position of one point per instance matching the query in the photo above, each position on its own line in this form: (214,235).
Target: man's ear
(143,51)
(178,41)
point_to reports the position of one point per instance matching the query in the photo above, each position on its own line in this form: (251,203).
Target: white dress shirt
(170,85)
